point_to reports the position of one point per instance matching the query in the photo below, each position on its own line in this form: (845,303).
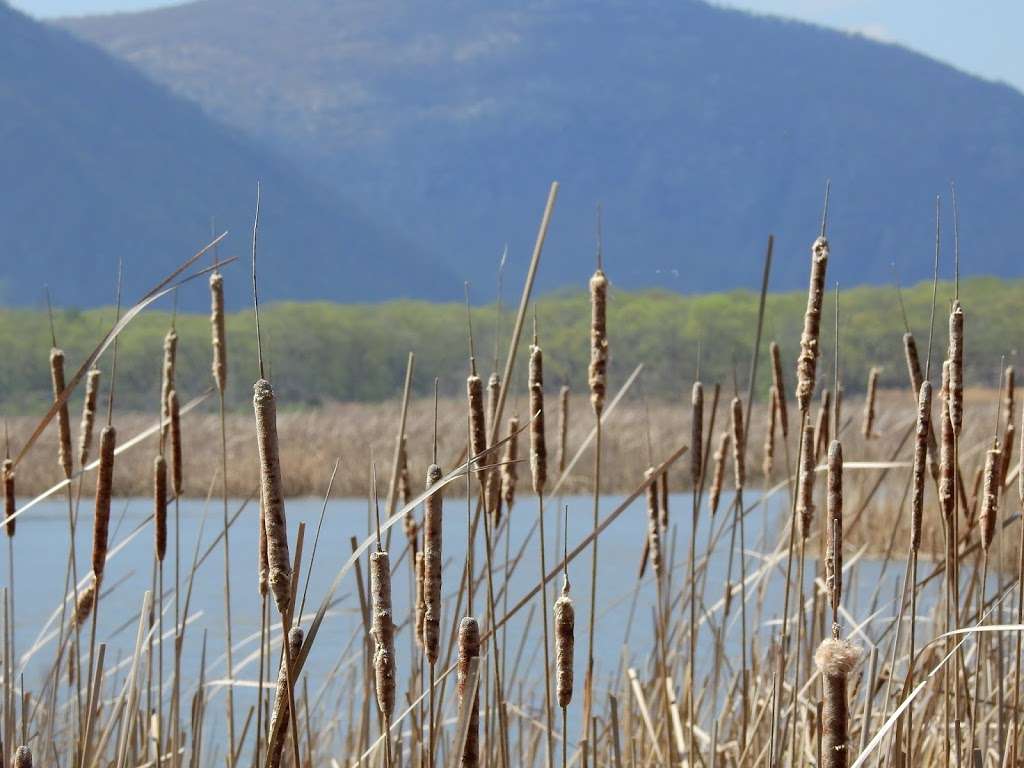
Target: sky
(980,37)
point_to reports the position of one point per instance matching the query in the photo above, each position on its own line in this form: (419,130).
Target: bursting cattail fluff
(834,515)
(23,757)
(217,331)
(598,339)
(990,501)
(719,471)
(739,463)
(924,418)
(433,510)
(92,388)
(538,446)
(10,506)
(836,660)
(63,420)
(807,363)
(160,506)
(956,367)
(167,378)
(869,405)
(86,600)
(563,427)
(272,494)
(382,628)
(696,433)
(653,524)
(947,475)
(469,648)
(101,513)
(174,413)
(805,490)
(279,719)
(509,469)
(421,600)
(780,388)
(769,434)
(565,642)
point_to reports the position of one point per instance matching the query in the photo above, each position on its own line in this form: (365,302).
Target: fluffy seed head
(807,363)
(433,509)
(598,340)
(92,388)
(382,628)
(565,642)
(272,494)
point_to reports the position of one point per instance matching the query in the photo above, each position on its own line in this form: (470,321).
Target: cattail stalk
(869,405)
(780,388)
(809,338)
(718,473)
(280,719)
(272,494)
(836,660)
(382,628)
(92,388)
(469,648)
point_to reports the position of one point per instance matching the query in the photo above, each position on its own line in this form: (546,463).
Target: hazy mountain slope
(99,162)
(701,129)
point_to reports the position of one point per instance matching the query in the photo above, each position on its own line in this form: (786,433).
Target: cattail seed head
(167,379)
(86,600)
(924,418)
(280,717)
(739,462)
(807,363)
(696,433)
(63,420)
(421,599)
(538,445)
(92,388)
(433,511)
(663,500)
(272,494)
(805,490)
(10,505)
(382,628)
(23,757)
(1010,395)
(101,510)
(469,648)
(834,514)
(565,642)
(947,473)
(493,392)
(563,428)
(719,471)
(477,426)
(264,564)
(217,331)
(769,434)
(509,469)
(956,367)
(653,524)
(990,501)
(780,388)
(174,414)
(869,405)
(598,340)
(160,506)
(836,660)
(913,362)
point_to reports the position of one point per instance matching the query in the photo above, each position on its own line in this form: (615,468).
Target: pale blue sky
(978,36)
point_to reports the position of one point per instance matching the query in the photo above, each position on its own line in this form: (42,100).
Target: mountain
(701,130)
(99,162)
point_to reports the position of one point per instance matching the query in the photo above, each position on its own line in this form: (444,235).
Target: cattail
(563,427)
(160,506)
(264,564)
(924,418)
(538,446)
(404,483)
(835,660)
(990,502)
(739,462)
(280,717)
(653,525)
(780,388)
(807,363)
(493,392)
(477,427)
(956,367)
(769,434)
(63,421)
(219,336)
(433,510)
(86,600)
(167,378)
(916,379)
(1006,452)
(174,412)
(409,525)
(509,469)
(663,501)
(382,628)
(101,513)
(834,516)
(947,474)
(92,388)
(1009,395)
(719,471)
(565,642)
(869,405)
(598,339)
(469,648)
(272,494)
(696,433)
(23,758)
(421,599)
(9,499)
(821,429)
(805,491)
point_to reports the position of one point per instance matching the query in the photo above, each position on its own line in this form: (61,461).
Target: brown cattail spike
(563,427)
(805,491)
(1010,394)
(538,445)
(280,717)
(63,420)
(174,414)
(956,367)
(809,339)
(264,564)
(404,483)
(719,471)
(10,505)
(780,388)
(23,758)
(869,405)
(167,379)
(653,524)
(924,418)
(217,331)
(834,515)
(101,513)
(433,510)
(469,648)
(382,628)
(92,388)
(836,660)
(83,608)
(477,426)
(696,433)
(509,469)
(598,340)
(739,463)
(421,600)
(769,434)
(565,641)
(272,494)
(160,506)
(990,501)
(947,475)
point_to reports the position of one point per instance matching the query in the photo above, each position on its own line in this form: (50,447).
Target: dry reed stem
(835,660)
(160,506)
(101,510)
(809,338)
(805,489)
(92,388)
(10,501)
(990,502)
(868,428)
(280,718)
(382,628)
(433,509)
(718,472)
(565,642)
(217,331)
(64,458)
(538,444)
(469,648)
(271,493)
(780,387)
(922,428)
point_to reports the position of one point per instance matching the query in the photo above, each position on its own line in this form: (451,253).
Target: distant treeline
(321,352)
